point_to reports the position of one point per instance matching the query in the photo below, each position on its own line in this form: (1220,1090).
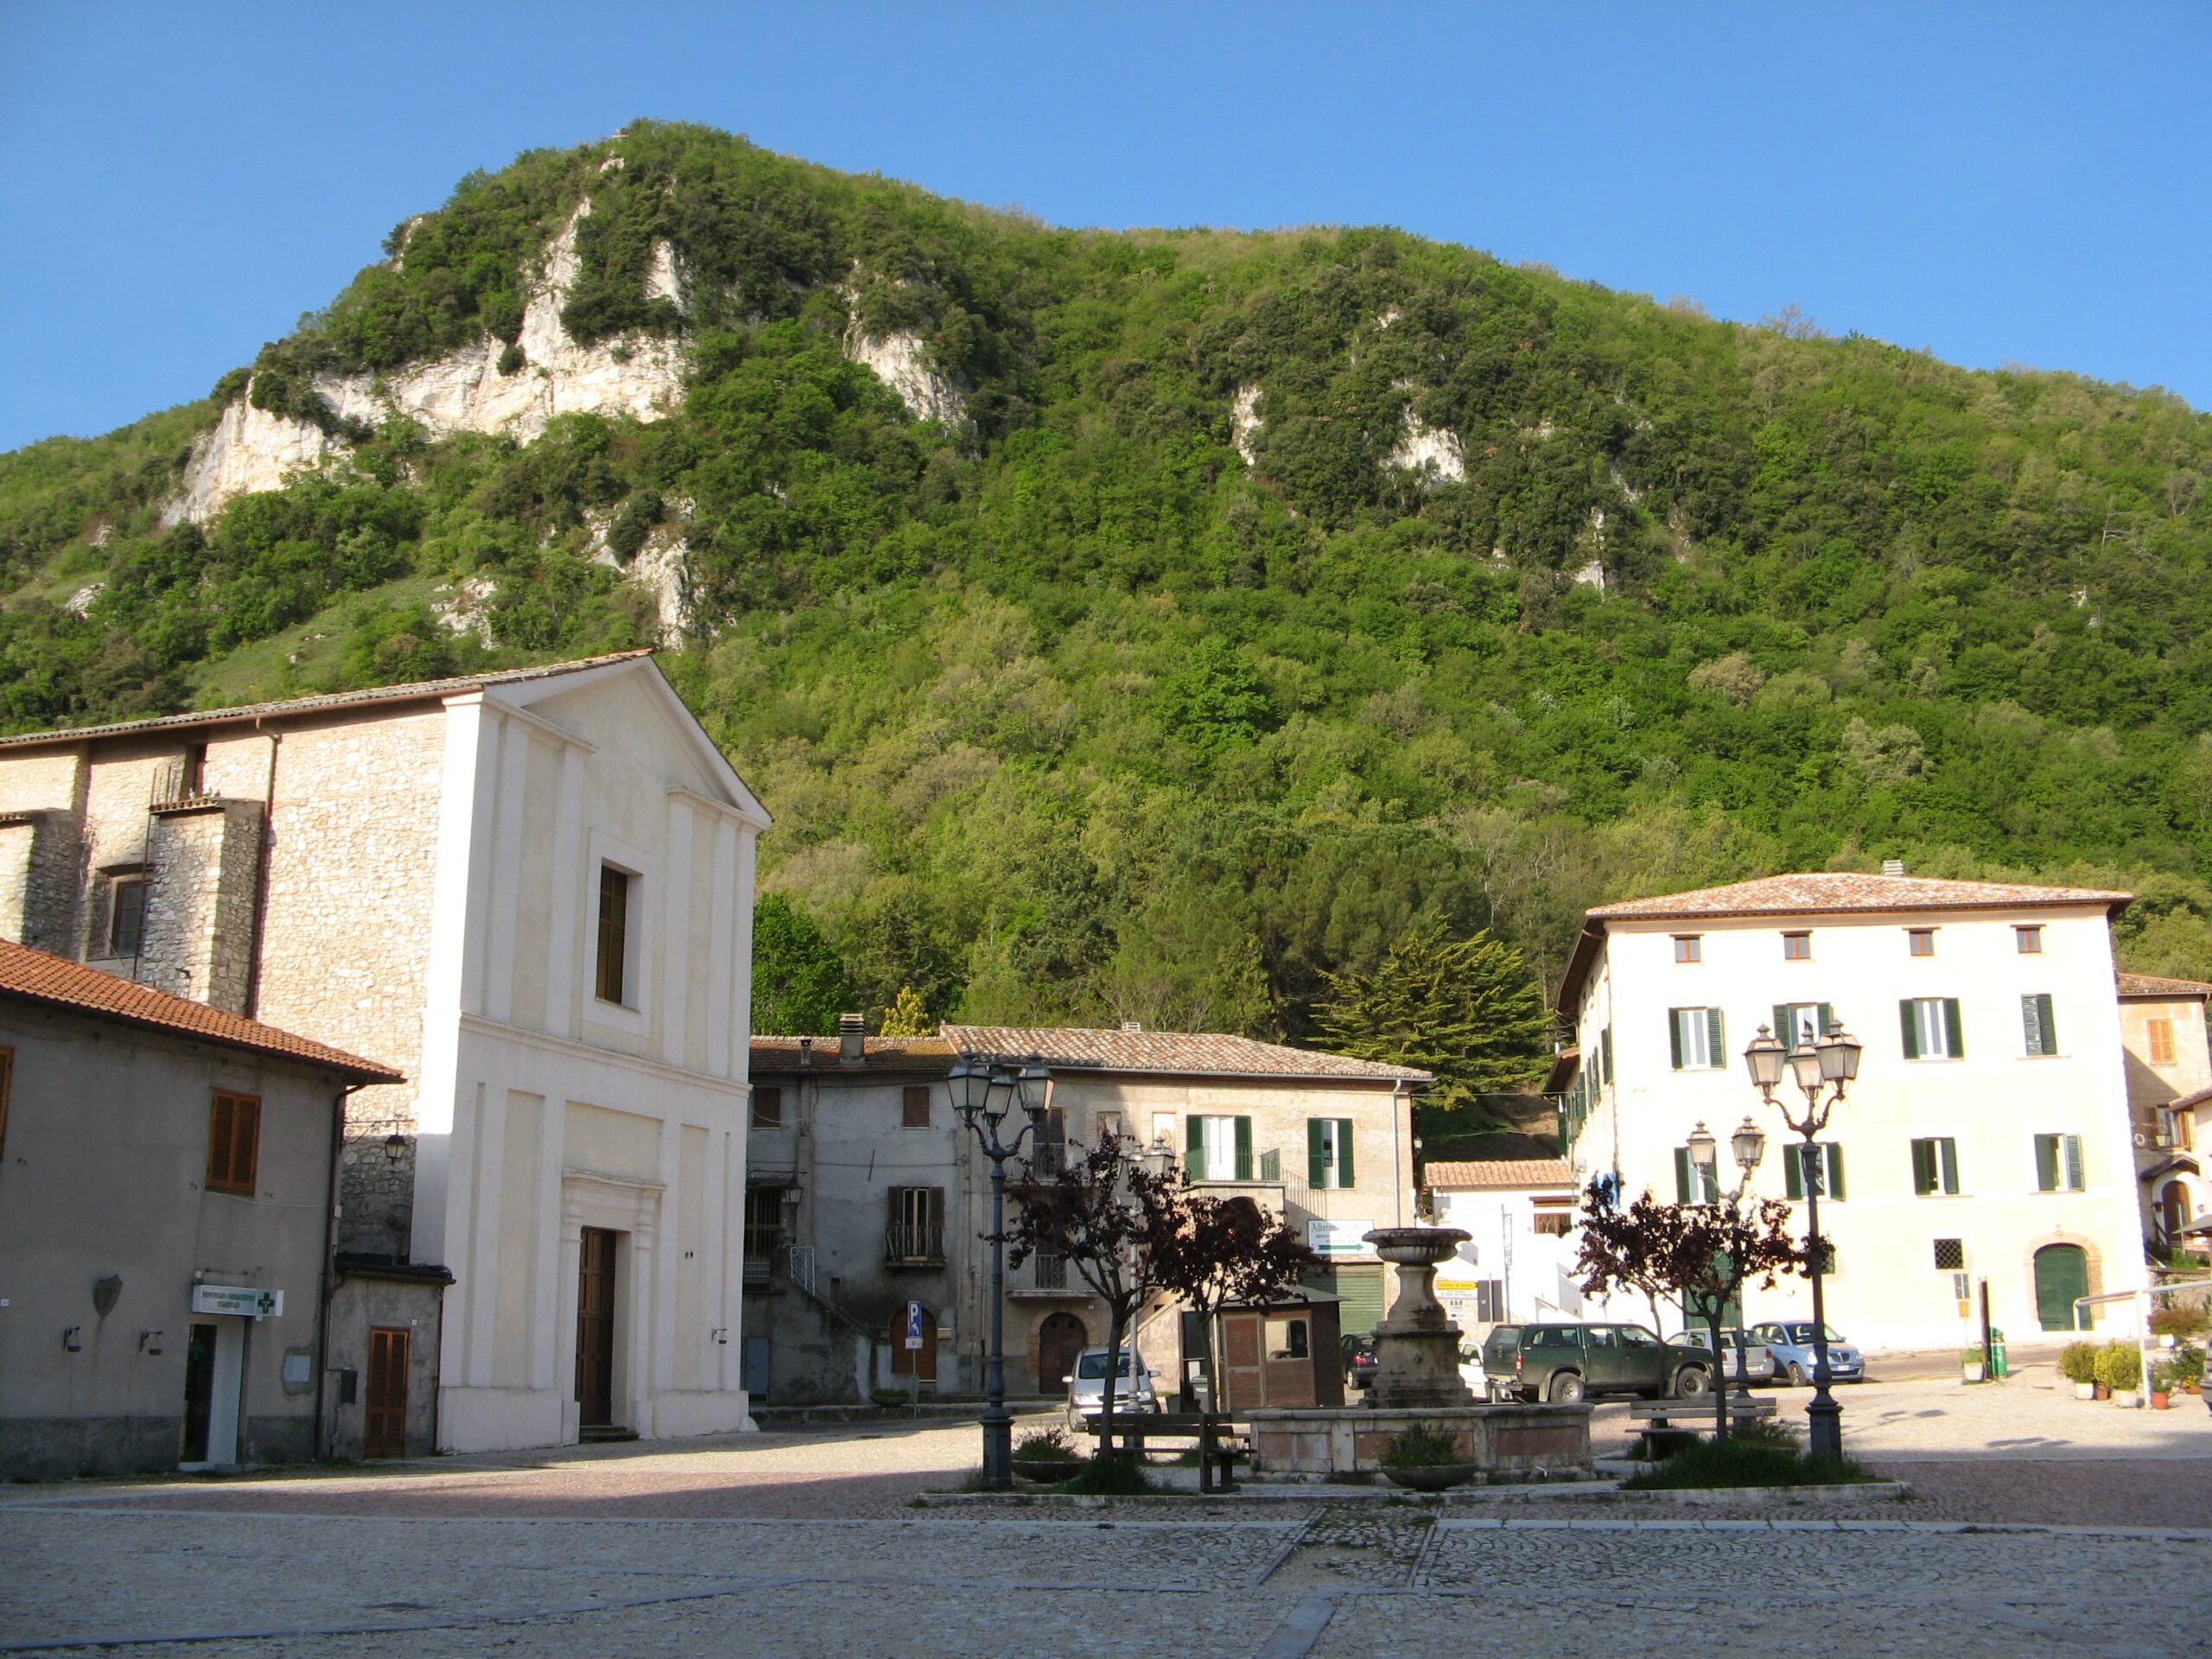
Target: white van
(1133,1391)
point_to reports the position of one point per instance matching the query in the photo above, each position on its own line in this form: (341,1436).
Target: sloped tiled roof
(2152,985)
(1830,891)
(56,982)
(776,1055)
(420,691)
(1186,1053)
(1499,1173)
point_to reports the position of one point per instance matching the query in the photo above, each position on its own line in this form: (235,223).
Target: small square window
(1920,941)
(1689,947)
(1950,1254)
(2028,941)
(767,1107)
(1797,947)
(914,1107)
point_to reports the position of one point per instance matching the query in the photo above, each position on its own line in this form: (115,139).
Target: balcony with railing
(1046,1275)
(911,1245)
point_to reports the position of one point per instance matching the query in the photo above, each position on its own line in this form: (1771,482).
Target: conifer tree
(1466,1009)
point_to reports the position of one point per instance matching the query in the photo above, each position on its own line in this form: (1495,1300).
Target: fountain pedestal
(1416,1345)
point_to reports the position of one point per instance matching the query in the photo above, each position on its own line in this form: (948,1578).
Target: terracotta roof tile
(420,691)
(1192,1053)
(2152,985)
(1492,1173)
(776,1055)
(1833,891)
(56,982)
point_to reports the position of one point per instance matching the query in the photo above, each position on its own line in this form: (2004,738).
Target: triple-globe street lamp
(1821,1069)
(1749,1144)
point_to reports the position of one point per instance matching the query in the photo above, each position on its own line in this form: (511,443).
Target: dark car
(1360,1363)
(1566,1361)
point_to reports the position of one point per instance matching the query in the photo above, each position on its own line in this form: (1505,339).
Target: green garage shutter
(1358,1290)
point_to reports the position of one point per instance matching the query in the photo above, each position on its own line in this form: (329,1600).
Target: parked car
(1792,1343)
(1133,1391)
(1758,1358)
(1360,1363)
(1472,1372)
(1566,1361)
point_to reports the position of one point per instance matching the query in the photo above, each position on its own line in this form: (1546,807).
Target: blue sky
(2022,182)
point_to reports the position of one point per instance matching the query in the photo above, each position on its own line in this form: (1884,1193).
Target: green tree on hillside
(1466,1009)
(799,984)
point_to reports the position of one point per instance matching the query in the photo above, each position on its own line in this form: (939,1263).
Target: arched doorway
(1060,1339)
(2173,1210)
(917,1362)
(2062,1277)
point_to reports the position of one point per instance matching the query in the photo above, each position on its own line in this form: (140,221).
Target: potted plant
(2188,1363)
(1971,1362)
(2162,1387)
(1048,1456)
(2119,1373)
(2077,1364)
(1425,1460)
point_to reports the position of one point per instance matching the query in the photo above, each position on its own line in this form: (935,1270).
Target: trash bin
(1997,1367)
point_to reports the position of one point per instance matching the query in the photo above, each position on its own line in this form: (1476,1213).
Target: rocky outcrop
(662,567)
(1245,422)
(466,608)
(1432,452)
(636,375)
(901,360)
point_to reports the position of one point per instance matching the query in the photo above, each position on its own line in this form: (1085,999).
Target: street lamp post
(1821,1069)
(1749,1145)
(982,1092)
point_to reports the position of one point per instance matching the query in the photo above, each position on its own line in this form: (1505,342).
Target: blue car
(1792,1343)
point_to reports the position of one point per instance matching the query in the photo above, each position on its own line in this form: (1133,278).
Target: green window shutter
(1681,1175)
(1317,1151)
(1243,1148)
(1783,1027)
(1835,1171)
(1923,1167)
(2046,1163)
(1194,1147)
(1951,1032)
(1605,1057)
(2072,1145)
(1950,1150)
(1345,1175)
(1911,1031)
(2030,1025)
(2048,1021)
(1793,1173)
(1716,1040)
(1825,1014)
(1675,1036)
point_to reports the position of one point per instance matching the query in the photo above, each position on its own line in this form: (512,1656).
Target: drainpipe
(328,1288)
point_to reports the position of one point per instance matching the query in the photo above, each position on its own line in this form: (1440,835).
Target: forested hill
(1248,598)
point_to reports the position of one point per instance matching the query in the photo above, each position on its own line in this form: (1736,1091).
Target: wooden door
(383,1424)
(596,1329)
(1240,1362)
(1060,1339)
(199,1393)
(2061,1275)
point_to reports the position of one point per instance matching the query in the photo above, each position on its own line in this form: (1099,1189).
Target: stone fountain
(1416,1345)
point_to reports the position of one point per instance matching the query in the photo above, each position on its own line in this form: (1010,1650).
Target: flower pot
(1973,1372)
(1048,1471)
(2103,1391)
(2161,1399)
(2085,1390)
(2126,1399)
(2192,1387)
(1432,1476)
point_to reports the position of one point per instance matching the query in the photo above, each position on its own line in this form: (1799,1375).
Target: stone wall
(203,865)
(40,853)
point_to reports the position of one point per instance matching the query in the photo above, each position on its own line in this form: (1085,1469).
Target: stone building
(2162,1026)
(865,1194)
(531,891)
(167,1172)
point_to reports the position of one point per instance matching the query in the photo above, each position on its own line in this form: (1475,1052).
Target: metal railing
(913,1244)
(798,1266)
(1051,1271)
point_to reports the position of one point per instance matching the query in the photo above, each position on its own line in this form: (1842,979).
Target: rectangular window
(1920,941)
(1218,1148)
(1826,1164)
(1554,1223)
(1936,1166)
(2028,941)
(1696,1040)
(2058,1163)
(1950,1254)
(917,1229)
(2038,1029)
(613,932)
(914,1107)
(233,1143)
(1693,1184)
(1328,1152)
(1689,947)
(1797,947)
(764,1222)
(126,919)
(2160,1035)
(1800,1025)
(767,1107)
(1931,1028)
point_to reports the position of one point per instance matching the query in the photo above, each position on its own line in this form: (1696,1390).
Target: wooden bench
(1229,1442)
(1668,1429)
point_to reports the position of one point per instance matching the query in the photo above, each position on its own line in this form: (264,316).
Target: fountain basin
(1503,1443)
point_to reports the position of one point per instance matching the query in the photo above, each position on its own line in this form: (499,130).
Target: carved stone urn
(1416,1345)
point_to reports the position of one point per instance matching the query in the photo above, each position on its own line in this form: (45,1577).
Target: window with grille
(916,1232)
(614,933)
(1797,947)
(1689,947)
(233,1143)
(126,916)
(1936,1166)
(1051,1271)
(914,1107)
(2058,1163)
(1950,1254)
(1697,1039)
(764,1222)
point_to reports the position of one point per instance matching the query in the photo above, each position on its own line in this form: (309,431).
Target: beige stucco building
(2162,1026)
(1987,1140)
(866,1193)
(531,892)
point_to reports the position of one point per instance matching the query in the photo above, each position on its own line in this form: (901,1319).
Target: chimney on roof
(852,1039)
(1132,1025)
(1893,867)
(806,1052)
